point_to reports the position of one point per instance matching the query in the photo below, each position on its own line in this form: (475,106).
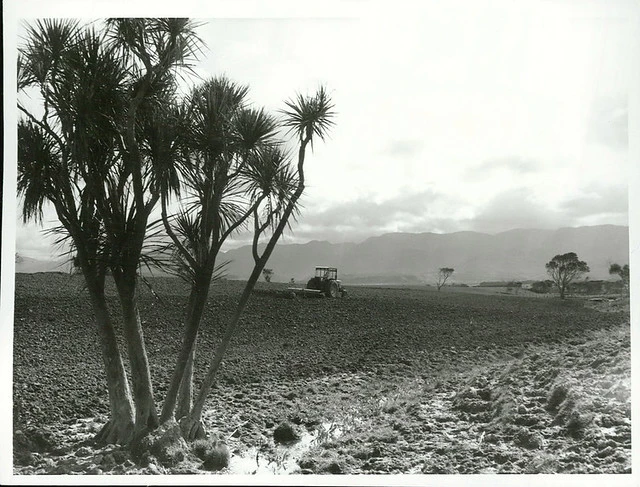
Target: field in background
(389,380)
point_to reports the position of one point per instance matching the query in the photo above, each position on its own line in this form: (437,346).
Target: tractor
(326,282)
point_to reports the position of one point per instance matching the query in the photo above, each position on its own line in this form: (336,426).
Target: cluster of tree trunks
(106,156)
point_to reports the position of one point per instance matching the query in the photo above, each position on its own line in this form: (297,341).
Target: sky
(451,116)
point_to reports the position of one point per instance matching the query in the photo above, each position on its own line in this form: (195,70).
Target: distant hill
(414,258)
(407,258)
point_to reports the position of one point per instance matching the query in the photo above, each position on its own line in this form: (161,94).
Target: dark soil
(386,380)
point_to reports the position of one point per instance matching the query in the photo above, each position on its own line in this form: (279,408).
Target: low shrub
(541,287)
(285,433)
(213,452)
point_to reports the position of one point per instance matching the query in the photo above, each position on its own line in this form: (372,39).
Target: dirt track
(388,380)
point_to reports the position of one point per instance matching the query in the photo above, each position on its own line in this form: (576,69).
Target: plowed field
(383,381)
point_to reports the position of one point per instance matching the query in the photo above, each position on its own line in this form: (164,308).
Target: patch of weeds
(384,435)
(329,445)
(391,405)
(325,462)
(326,433)
(200,447)
(307,462)
(403,400)
(331,463)
(364,452)
(172,454)
(214,453)
(333,467)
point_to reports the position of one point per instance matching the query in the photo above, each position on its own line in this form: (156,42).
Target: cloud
(521,208)
(608,123)
(599,200)
(402,148)
(361,218)
(515,164)
(35,242)
(514,208)
(433,211)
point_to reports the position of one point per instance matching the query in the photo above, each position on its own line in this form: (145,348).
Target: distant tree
(623,272)
(443,274)
(564,268)
(267,273)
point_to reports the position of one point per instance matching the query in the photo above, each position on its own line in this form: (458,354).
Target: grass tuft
(214,453)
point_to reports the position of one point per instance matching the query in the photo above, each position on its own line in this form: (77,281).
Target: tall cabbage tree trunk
(184,363)
(192,425)
(146,417)
(120,426)
(185,394)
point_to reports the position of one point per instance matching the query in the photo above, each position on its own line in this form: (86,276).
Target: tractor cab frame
(326,272)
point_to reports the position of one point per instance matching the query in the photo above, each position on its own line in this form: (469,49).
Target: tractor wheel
(313,284)
(332,291)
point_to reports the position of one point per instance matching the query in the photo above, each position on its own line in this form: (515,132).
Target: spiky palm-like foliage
(219,141)
(66,155)
(309,116)
(219,191)
(280,188)
(105,148)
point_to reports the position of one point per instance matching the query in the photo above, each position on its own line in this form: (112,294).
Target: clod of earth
(286,432)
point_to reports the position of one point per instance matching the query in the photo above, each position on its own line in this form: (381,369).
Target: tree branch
(43,125)
(181,248)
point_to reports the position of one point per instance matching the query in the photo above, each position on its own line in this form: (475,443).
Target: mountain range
(411,258)
(397,258)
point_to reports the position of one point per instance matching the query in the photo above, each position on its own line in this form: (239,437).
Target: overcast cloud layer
(481,116)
